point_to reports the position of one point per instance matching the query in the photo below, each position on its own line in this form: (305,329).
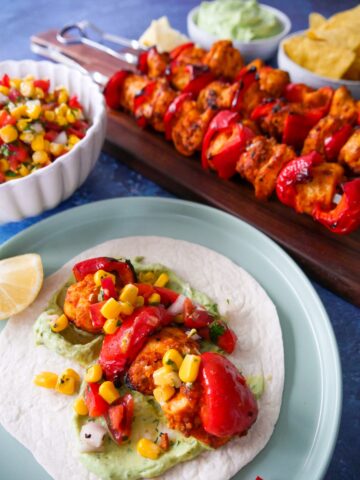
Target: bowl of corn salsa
(52,127)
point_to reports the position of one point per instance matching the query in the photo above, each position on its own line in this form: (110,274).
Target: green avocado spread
(243,20)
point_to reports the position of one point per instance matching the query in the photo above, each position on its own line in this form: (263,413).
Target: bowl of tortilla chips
(328,53)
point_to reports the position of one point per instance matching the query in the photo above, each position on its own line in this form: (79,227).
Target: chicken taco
(181,356)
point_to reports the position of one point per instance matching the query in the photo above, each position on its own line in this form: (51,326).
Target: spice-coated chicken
(224,60)
(344,106)
(324,128)
(350,152)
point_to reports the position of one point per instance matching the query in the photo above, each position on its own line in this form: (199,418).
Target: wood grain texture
(333,260)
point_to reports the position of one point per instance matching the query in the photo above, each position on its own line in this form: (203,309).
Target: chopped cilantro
(216,330)
(212,308)
(4,150)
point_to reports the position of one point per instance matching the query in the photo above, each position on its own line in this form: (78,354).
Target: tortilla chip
(317,57)
(315,20)
(340,36)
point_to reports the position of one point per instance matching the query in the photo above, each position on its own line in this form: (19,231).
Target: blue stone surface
(19,19)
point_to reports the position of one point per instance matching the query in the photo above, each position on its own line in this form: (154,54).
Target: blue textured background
(19,19)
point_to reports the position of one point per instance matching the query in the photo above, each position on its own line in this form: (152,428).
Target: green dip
(242,20)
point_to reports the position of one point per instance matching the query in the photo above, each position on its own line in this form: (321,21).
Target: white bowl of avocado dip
(255,29)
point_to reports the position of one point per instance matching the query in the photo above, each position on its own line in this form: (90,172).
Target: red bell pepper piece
(143,62)
(181,48)
(294,92)
(200,77)
(141,98)
(345,217)
(124,270)
(294,172)
(97,319)
(227,405)
(6,119)
(119,418)
(113,88)
(108,288)
(120,349)
(262,110)
(246,77)
(43,84)
(5,80)
(167,296)
(297,126)
(336,141)
(171,112)
(96,405)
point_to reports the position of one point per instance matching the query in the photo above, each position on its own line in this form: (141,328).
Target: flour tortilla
(41,419)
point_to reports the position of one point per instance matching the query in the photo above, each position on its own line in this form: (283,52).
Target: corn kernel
(80,406)
(111,309)
(49,115)
(154,299)
(27,137)
(66,384)
(4,90)
(56,149)
(162,280)
(63,96)
(73,140)
(139,302)
(163,394)
(4,164)
(15,82)
(189,369)
(39,92)
(23,170)
(100,274)
(126,308)
(46,145)
(46,379)
(70,117)
(61,120)
(38,143)
(72,373)
(108,392)
(166,376)
(22,124)
(110,326)
(8,134)
(33,110)
(147,277)
(94,373)
(172,358)
(59,324)
(18,111)
(41,157)
(129,293)
(27,88)
(148,449)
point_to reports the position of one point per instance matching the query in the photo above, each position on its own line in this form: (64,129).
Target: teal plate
(305,435)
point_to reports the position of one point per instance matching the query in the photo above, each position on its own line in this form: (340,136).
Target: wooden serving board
(333,260)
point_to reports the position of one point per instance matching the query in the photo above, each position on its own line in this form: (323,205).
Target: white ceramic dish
(300,74)
(50,185)
(264,48)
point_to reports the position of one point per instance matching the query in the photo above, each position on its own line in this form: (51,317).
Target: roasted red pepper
(295,92)
(298,125)
(246,78)
(262,110)
(181,48)
(172,111)
(224,161)
(167,296)
(294,172)
(143,62)
(97,319)
(94,402)
(141,98)
(200,77)
(336,141)
(345,217)
(120,349)
(123,270)
(113,88)
(119,418)
(227,406)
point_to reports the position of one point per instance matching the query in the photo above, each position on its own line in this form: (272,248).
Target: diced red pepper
(43,84)
(172,111)
(294,172)
(113,89)
(124,270)
(336,141)
(297,126)
(227,405)
(108,288)
(294,92)
(96,405)
(120,349)
(167,296)
(74,102)
(345,217)
(180,49)
(200,77)
(5,80)
(6,119)
(97,319)
(119,418)
(141,98)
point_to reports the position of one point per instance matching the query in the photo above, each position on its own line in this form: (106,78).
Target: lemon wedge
(21,279)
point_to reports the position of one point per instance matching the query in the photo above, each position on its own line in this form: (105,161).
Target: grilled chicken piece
(344,106)
(190,127)
(156,63)
(350,152)
(273,124)
(191,56)
(261,163)
(319,189)
(140,374)
(217,95)
(155,107)
(273,81)
(133,85)
(78,299)
(325,127)
(224,60)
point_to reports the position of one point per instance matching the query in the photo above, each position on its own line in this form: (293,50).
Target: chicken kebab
(251,120)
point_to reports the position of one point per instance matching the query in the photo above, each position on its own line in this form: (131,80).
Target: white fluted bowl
(47,187)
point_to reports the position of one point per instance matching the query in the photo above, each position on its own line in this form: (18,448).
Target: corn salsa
(37,125)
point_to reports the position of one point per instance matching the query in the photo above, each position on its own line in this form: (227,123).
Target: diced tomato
(227,341)
(97,319)
(119,418)
(51,135)
(108,288)
(17,154)
(2,177)
(5,80)
(6,119)
(198,318)
(43,84)
(74,102)
(167,296)
(94,402)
